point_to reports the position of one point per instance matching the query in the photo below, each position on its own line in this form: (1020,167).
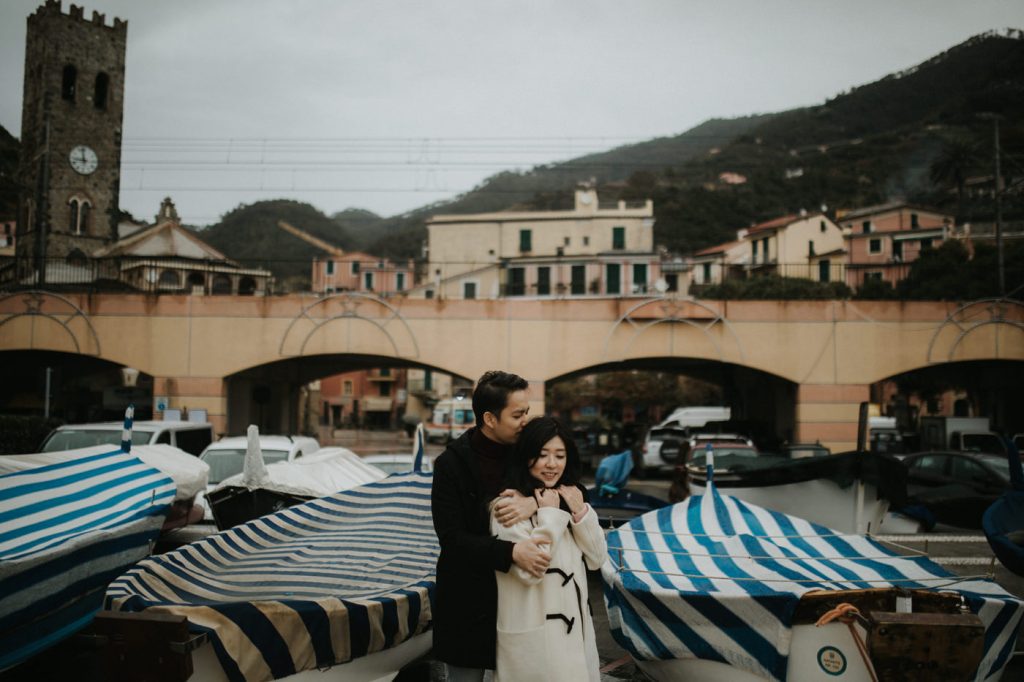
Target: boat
(718,589)
(851,492)
(188,473)
(67,529)
(265,488)
(1003,521)
(342,582)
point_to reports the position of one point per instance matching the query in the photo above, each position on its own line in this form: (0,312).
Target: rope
(849,614)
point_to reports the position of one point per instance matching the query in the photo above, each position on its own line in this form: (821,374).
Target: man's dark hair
(532,438)
(492,391)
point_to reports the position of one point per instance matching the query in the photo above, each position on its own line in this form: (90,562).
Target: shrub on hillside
(773,287)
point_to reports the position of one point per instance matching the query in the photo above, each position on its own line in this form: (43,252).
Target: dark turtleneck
(493,458)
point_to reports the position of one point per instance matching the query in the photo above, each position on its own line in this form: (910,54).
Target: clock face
(83,159)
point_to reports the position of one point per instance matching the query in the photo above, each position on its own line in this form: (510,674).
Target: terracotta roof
(720,248)
(776,223)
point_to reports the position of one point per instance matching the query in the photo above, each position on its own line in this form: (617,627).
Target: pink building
(364,398)
(355,271)
(882,241)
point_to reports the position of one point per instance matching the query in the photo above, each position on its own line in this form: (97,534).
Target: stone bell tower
(71,117)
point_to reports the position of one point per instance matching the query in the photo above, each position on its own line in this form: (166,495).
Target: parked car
(397,462)
(956,487)
(192,437)
(664,448)
(226,457)
(698,440)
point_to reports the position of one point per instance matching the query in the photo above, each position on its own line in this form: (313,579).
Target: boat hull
(820,501)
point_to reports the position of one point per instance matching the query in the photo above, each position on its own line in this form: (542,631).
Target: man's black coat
(466,599)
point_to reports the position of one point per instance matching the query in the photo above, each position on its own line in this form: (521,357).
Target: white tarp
(325,472)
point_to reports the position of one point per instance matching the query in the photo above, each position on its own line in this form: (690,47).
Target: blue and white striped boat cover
(716,578)
(313,585)
(66,531)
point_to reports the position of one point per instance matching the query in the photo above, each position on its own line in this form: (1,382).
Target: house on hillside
(882,241)
(168,258)
(593,250)
(340,270)
(808,246)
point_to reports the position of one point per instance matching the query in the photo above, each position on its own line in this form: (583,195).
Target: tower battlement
(52,8)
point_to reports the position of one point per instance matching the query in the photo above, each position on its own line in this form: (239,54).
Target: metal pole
(999,211)
(46,401)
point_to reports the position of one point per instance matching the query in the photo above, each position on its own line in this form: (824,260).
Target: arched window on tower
(69,82)
(84,217)
(99,97)
(73,216)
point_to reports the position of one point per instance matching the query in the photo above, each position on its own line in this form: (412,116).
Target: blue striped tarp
(67,530)
(718,579)
(313,585)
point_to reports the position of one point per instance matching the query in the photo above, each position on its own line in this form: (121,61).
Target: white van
(450,419)
(192,437)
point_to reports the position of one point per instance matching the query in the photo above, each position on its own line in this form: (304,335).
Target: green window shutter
(526,240)
(618,238)
(613,279)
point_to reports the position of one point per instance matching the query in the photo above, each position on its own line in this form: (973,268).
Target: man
(467,476)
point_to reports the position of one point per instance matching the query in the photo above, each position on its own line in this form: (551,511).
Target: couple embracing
(517,537)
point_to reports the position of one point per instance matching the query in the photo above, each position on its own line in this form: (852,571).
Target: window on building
(385,371)
(68,83)
(824,271)
(543,281)
(926,244)
(516,281)
(897,250)
(672,280)
(613,279)
(346,387)
(469,290)
(565,241)
(764,249)
(810,248)
(84,218)
(385,389)
(706,273)
(73,216)
(330,267)
(526,240)
(368,281)
(822,226)
(866,227)
(169,279)
(429,293)
(355,267)
(618,238)
(99,96)
(914,224)
(221,285)
(578,280)
(246,286)
(876,276)
(874,246)
(400,281)
(428,380)
(753,248)
(639,278)
(586,241)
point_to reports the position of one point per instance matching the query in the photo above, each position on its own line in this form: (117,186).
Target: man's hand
(532,556)
(514,507)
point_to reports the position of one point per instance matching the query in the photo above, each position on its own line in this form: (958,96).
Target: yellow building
(591,251)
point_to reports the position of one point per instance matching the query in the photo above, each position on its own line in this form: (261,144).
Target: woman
(545,631)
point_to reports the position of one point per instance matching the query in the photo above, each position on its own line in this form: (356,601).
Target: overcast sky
(389,105)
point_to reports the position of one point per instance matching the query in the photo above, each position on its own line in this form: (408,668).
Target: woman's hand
(573,498)
(514,507)
(546,497)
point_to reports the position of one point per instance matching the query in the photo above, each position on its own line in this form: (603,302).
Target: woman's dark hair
(492,391)
(532,438)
